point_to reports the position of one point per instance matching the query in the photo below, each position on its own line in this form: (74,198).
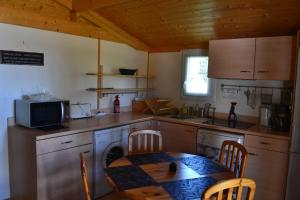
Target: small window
(196,82)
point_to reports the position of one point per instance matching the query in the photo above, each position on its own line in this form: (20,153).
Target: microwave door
(46,114)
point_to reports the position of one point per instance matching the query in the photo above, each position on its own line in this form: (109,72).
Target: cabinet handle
(86,152)
(262,71)
(67,142)
(265,143)
(252,154)
(245,71)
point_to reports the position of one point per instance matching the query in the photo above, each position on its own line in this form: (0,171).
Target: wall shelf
(117,75)
(118,90)
(101,90)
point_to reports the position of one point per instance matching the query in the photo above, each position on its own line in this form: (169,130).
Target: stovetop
(224,122)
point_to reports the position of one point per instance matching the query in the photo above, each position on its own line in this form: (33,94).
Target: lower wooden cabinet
(178,137)
(59,175)
(269,170)
(149,124)
(49,169)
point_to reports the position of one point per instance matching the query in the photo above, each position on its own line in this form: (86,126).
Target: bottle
(117,104)
(232,117)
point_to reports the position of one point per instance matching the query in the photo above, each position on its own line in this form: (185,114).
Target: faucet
(207,110)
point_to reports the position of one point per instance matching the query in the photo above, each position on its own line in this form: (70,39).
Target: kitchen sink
(190,118)
(224,122)
(182,116)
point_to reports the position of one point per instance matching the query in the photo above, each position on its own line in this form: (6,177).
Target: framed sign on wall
(21,58)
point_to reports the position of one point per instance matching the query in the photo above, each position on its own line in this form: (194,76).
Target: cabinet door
(178,138)
(59,173)
(274,58)
(269,170)
(232,58)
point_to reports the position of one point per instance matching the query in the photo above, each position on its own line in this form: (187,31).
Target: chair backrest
(84,177)
(144,141)
(234,156)
(232,187)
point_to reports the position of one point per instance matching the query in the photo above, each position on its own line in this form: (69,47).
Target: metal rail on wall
(258,87)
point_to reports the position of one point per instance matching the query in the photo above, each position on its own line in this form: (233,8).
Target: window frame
(210,96)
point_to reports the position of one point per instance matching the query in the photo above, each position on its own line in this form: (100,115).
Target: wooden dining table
(148,176)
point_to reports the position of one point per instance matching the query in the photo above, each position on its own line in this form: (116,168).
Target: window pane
(196,78)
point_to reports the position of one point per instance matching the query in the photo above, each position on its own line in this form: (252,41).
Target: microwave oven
(34,114)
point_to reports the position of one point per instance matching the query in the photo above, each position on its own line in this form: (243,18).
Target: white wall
(167,68)
(67,59)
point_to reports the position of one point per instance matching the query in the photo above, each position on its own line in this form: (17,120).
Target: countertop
(254,130)
(113,120)
(84,125)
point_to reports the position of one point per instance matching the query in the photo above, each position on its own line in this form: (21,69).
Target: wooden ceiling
(157,25)
(180,23)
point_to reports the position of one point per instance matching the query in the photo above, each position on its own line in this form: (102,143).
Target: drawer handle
(245,71)
(265,143)
(252,154)
(86,152)
(262,71)
(67,142)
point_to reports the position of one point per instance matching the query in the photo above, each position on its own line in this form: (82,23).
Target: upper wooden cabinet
(274,58)
(232,58)
(268,58)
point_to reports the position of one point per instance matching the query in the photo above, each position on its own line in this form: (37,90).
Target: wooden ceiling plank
(169,22)
(110,28)
(45,7)
(23,17)
(84,5)
(13,15)
(216,13)
(118,32)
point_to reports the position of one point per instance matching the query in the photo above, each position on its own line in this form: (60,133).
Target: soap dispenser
(232,117)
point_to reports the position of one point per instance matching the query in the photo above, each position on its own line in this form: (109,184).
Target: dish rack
(156,106)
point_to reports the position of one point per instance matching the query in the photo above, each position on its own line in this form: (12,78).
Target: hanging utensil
(247,93)
(252,99)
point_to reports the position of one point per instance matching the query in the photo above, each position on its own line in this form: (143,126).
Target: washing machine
(109,145)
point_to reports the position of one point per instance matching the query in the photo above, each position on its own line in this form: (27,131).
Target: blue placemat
(203,165)
(188,189)
(140,159)
(128,177)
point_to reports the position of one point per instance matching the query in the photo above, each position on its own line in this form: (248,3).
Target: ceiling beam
(86,5)
(202,45)
(105,25)
(117,32)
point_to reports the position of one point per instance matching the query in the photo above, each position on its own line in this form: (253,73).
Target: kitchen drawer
(266,143)
(64,142)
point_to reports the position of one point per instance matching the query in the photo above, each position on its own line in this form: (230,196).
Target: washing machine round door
(112,152)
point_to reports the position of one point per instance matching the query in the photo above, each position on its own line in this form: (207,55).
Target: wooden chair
(234,156)
(84,178)
(142,143)
(230,186)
